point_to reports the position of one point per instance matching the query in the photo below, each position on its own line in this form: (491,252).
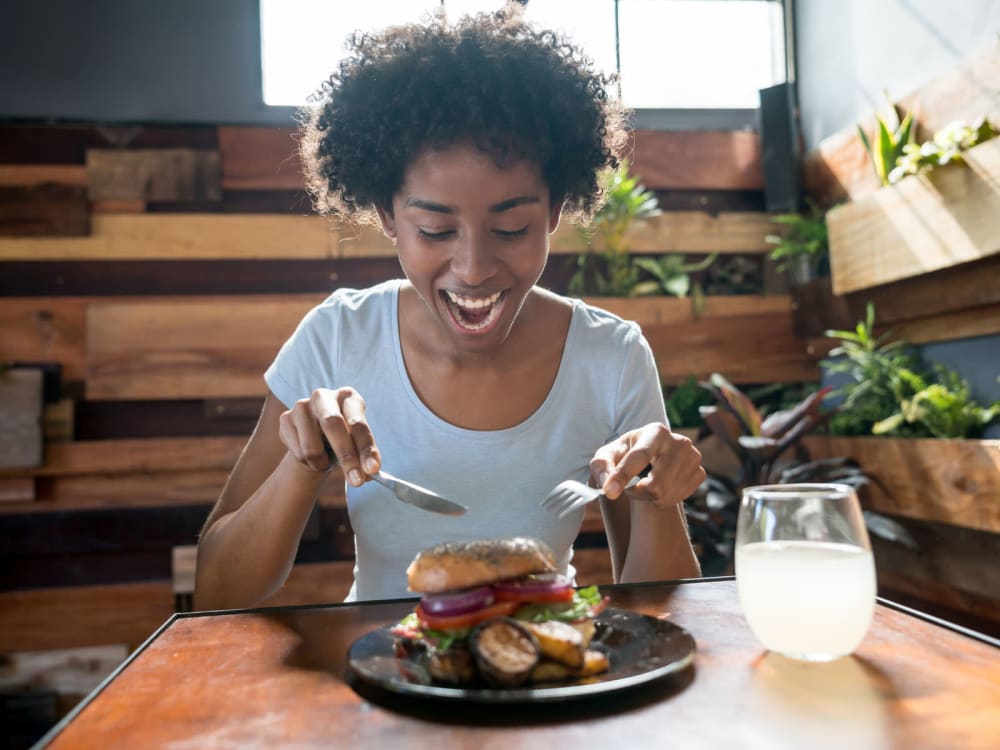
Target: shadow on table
(466,713)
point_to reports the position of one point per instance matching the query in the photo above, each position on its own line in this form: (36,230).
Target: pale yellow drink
(811,600)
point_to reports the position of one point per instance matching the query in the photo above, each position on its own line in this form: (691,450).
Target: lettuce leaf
(584,601)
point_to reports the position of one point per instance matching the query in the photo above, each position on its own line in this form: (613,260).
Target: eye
(435,236)
(511,234)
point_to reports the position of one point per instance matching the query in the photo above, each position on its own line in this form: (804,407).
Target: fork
(570,494)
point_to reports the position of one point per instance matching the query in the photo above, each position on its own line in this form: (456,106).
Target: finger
(352,406)
(325,409)
(605,460)
(291,436)
(645,447)
(311,448)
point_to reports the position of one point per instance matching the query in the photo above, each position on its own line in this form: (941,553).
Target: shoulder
(603,326)
(360,299)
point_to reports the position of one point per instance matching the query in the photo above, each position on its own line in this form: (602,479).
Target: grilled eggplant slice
(505,652)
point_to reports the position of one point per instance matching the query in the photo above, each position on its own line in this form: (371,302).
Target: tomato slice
(436,622)
(527,596)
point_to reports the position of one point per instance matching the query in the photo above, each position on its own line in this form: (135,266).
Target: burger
(495,612)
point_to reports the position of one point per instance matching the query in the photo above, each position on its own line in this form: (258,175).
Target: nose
(474,259)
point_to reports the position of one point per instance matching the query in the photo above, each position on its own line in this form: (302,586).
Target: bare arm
(646,528)
(249,542)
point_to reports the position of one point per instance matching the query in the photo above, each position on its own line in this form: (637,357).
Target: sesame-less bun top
(459,565)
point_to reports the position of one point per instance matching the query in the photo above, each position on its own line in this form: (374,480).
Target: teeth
(473,303)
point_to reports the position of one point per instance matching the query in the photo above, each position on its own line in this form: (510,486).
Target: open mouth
(474,313)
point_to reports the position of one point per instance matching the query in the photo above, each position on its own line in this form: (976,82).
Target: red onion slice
(457,602)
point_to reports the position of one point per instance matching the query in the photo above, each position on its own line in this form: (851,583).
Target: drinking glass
(804,569)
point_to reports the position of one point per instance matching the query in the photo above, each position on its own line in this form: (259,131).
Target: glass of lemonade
(804,569)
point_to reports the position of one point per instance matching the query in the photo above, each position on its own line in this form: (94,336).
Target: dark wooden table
(275,678)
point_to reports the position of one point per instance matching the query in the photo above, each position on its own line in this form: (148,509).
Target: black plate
(640,649)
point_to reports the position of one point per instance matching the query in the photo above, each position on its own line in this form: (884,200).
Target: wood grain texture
(41,619)
(705,160)
(124,234)
(924,223)
(28,214)
(746,338)
(30,175)
(153,175)
(259,158)
(147,456)
(183,236)
(72,617)
(277,679)
(839,168)
(208,348)
(950,481)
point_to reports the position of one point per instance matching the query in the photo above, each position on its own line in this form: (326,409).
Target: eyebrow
(496,208)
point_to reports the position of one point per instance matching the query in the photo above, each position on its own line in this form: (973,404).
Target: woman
(466,144)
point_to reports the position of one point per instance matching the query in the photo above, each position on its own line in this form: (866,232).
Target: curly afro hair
(513,91)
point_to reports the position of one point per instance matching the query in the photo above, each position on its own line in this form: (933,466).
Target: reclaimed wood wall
(153,272)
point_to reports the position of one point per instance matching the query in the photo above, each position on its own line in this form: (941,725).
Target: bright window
(670,54)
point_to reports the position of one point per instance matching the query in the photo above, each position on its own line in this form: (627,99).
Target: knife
(407,491)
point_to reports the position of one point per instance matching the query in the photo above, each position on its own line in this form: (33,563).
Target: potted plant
(916,428)
(946,184)
(802,250)
(762,445)
(751,335)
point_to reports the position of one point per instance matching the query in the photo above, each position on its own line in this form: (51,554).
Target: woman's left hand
(676,466)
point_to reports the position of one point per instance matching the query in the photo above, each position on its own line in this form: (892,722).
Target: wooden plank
(44,329)
(146,455)
(947,481)
(20,415)
(66,143)
(47,210)
(184,236)
(706,160)
(839,168)
(265,236)
(746,338)
(267,158)
(674,231)
(259,158)
(950,565)
(980,321)
(925,223)
(220,276)
(664,310)
(187,349)
(31,175)
(16,489)
(161,174)
(118,206)
(51,618)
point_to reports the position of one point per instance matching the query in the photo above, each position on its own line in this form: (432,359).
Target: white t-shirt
(607,384)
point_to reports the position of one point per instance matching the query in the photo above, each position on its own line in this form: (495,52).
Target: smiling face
(472,239)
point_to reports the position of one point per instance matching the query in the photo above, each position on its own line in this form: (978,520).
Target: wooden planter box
(924,223)
(747,338)
(955,482)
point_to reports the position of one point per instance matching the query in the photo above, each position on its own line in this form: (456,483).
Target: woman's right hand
(339,415)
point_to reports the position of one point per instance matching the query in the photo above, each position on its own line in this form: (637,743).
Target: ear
(387,221)
(555,213)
